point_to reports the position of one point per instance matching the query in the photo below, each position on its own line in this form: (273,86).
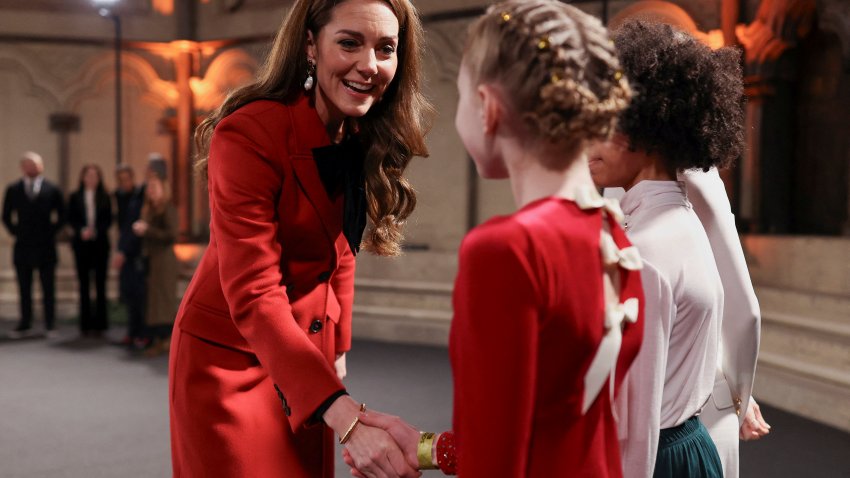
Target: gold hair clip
(555,78)
(618,75)
(543,43)
(506,16)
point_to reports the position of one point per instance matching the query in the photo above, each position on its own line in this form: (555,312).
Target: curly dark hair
(689,98)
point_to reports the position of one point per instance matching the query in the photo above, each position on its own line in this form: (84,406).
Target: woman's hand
(402,432)
(140,228)
(754,426)
(372,450)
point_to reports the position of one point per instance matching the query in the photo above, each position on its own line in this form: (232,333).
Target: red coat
(528,320)
(269,305)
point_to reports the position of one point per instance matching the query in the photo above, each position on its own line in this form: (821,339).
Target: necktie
(29,188)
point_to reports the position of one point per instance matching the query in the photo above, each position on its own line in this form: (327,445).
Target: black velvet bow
(341,170)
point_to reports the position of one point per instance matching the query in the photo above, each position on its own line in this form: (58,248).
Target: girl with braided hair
(547,300)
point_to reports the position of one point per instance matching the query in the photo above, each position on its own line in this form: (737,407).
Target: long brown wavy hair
(393,130)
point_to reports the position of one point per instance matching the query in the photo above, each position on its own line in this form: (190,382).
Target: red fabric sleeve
(343,285)
(494,334)
(245,177)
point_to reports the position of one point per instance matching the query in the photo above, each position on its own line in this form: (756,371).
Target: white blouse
(673,375)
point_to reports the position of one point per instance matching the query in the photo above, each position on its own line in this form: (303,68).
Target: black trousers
(47,275)
(133,286)
(92,256)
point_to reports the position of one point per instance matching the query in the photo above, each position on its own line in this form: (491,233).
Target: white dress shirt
(673,375)
(34,183)
(88,199)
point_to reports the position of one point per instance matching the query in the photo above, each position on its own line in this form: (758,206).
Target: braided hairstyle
(559,66)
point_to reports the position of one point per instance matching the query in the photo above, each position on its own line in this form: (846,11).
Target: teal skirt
(686,451)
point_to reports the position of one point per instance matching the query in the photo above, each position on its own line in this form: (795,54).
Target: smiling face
(356,58)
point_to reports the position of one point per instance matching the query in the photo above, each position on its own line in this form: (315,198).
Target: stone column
(64,124)
(184,67)
(771,80)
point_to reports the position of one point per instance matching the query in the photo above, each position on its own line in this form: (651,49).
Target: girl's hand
(754,426)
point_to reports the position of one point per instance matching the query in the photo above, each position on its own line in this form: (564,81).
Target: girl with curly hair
(296,161)
(686,115)
(547,300)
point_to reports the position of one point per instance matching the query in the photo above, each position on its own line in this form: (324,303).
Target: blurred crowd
(36,212)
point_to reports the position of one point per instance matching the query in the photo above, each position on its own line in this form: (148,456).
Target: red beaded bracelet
(446,453)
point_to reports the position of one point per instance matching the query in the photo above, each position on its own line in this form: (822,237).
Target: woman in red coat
(295,162)
(547,300)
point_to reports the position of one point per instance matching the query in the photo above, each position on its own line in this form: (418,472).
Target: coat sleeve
(343,286)
(8,207)
(58,206)
(741,325)
(495,342)
(245,177)
(166,232)
(104,216)
(76,215)
(639,400)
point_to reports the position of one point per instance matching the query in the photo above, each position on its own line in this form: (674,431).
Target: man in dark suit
(34,212)
(128,259)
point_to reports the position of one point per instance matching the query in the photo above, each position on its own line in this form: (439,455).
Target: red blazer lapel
(310,133)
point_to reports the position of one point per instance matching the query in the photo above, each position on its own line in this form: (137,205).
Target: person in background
(129,199)
(33,213)
(157,228)
(90,216)
(686,115)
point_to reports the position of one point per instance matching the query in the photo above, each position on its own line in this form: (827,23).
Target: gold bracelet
(424,452)
(343,439)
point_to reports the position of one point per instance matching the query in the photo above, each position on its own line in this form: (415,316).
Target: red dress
(268,308)
(529,319)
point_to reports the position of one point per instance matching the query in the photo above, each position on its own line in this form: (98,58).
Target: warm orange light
(188,253)
(163,7)
(714,39)
(184,46)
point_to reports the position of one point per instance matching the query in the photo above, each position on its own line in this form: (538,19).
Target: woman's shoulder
(500,234)
(259,113)
(260,108)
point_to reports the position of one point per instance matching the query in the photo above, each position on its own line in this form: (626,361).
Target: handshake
(379,445)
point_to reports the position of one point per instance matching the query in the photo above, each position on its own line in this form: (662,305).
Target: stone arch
(834,16)
(655,10)
(31,78)
(669,13)
(100,72)
(228,71)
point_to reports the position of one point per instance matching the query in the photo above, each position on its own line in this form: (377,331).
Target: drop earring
(311,70)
